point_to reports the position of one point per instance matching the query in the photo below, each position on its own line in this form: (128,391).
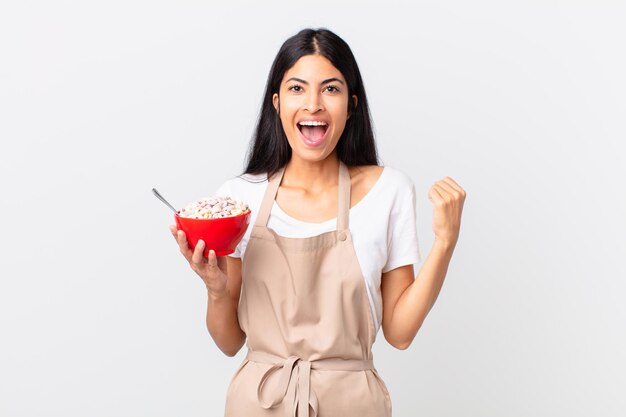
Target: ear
(276,103)
(355,99)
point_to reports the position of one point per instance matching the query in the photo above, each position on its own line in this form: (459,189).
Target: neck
(312,175)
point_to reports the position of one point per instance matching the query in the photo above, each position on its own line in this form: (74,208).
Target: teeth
(311,123)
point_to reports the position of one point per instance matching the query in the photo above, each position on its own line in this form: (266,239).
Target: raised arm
(407,300)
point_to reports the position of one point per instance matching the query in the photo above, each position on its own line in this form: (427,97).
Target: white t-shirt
(382,224)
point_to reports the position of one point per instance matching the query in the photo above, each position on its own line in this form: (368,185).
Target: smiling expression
(313,107)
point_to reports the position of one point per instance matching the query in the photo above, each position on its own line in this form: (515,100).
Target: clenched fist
(447,197)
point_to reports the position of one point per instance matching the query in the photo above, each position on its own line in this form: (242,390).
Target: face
(313,107)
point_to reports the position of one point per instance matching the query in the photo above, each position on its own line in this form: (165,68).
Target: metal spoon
(160,197)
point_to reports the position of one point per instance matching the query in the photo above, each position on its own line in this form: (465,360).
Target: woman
(329,257)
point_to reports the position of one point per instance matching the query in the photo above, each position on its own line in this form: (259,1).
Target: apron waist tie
(294,387)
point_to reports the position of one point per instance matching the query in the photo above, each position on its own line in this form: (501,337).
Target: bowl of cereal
(219,221)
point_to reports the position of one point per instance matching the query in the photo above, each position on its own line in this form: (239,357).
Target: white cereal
(214,208)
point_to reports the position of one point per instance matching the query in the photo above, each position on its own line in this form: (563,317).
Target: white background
(521,102)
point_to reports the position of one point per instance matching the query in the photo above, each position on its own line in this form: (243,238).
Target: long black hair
(269,149)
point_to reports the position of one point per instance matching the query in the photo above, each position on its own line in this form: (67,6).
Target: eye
(332,89)
(295,88)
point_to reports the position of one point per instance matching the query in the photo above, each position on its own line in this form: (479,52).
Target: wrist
(217,295)
(444,245)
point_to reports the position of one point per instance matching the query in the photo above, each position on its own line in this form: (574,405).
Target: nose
(313,102)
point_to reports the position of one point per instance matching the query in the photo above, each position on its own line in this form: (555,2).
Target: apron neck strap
(343,208)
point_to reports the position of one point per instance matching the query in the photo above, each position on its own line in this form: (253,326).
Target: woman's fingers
(222,263)
(446,190)
(447,197)
(197,258)
(216,263)
(212,261)
(454,185)
(435,196)
(217,279)
(449,190)
(183,245)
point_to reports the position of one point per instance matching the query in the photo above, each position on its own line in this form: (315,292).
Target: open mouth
(313,132)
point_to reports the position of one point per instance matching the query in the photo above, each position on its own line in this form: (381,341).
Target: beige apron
(305,311)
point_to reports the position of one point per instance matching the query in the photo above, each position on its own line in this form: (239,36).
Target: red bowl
(221,235)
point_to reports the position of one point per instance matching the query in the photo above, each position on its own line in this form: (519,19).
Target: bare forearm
(223,324)
(417,300)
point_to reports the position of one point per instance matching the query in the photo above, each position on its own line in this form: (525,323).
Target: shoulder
(365,175)
(244,181)
(397,177)
(391,179)
(243,186)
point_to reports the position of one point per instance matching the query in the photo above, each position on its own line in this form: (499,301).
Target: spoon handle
(160,197)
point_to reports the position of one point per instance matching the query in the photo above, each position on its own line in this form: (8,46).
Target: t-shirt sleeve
(225,190)
(403,245)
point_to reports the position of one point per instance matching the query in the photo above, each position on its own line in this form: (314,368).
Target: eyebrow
(329,80)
